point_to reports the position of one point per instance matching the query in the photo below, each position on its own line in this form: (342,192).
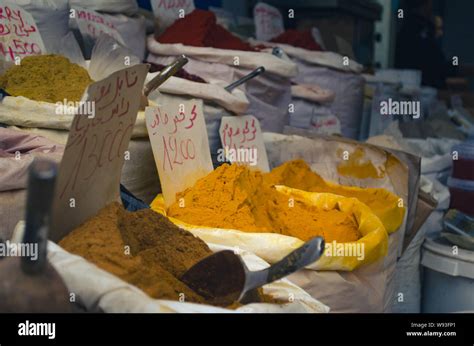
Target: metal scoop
(162,77)
(245,78)
(225,278)
(30,283)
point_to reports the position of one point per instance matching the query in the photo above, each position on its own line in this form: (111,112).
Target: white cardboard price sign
(19,35)
(93,24)
(268,22)
(168,11)
(89,174)
(242,141)
(178,137)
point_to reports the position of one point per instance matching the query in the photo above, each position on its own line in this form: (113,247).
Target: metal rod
(41,180)
(164,74)
(244,79)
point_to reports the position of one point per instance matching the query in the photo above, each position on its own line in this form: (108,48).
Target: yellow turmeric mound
(298,175)
(234,197)
(358,167)
(48,78)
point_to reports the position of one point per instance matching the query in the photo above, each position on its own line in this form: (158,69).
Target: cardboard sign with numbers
(92,24)
(19,35)
(178,137)
(89,174)
(268,22)
(242,140)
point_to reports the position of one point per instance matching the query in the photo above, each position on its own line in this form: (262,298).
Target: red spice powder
(303,39)
(180,74)
(199,29)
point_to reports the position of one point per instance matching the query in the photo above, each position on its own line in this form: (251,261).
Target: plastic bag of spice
(273,246)
(369,288)
(347,168)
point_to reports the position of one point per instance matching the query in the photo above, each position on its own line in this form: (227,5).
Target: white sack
(213,91)
(320,58)
(348,88)
(51,17)
(132,30)
(408,273)
(369,289)
(128,7)
(246,59)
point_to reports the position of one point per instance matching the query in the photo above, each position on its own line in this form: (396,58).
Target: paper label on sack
(93,24)
(268,22)
(89,174)
(19,34)
(242,141)
(168,11)
(178,137)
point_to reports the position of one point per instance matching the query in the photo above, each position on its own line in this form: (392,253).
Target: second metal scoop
(224,276)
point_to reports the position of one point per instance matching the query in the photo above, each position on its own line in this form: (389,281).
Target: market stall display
(204,170)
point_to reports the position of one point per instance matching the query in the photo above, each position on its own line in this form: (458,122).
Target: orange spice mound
(235,197)
(298,175)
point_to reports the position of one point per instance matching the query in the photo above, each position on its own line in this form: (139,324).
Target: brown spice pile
(157,251)
(142,248)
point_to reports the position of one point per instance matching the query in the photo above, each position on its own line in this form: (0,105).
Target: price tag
(19,35)
(180,145)
(89,174)
(268,22)
(168,11)
(92,24)
(242,141)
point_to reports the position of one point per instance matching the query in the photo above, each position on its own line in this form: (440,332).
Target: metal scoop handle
(303,256)
(164,74)
(246,78)
(41,180)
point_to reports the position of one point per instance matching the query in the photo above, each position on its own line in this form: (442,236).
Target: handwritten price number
(101,149)
(170,4)
(13,22)
(247,134)
(176,151)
